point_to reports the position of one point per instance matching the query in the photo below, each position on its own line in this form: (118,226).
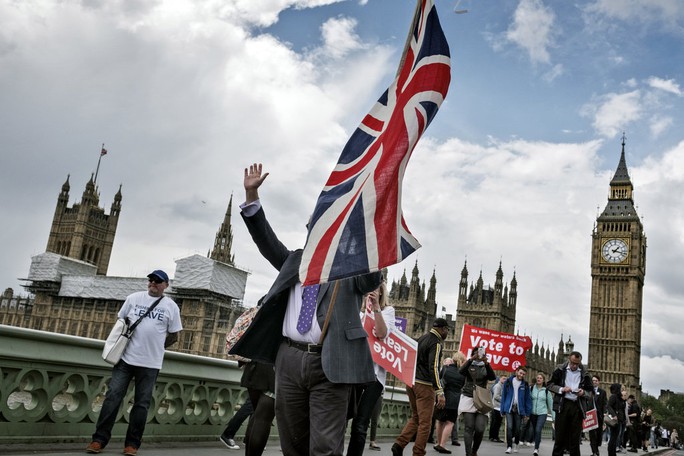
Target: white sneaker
(515,448)
(535,452)
(508,450)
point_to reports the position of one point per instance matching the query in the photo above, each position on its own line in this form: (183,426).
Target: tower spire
(224,238)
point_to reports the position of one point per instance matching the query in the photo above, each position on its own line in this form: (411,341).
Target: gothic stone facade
(71,294)
(618,268)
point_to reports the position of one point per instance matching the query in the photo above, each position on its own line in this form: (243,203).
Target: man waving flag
(357,225)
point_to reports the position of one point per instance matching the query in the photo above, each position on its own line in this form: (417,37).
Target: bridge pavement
(273,449)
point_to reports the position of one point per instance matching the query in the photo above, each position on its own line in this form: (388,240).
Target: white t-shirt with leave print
(146,348)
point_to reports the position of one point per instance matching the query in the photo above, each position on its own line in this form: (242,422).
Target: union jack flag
(357,225)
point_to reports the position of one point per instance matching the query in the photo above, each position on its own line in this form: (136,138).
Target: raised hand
(252,181)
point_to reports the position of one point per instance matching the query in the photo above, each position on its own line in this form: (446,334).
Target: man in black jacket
(422,394)
(572,390)
(600,401)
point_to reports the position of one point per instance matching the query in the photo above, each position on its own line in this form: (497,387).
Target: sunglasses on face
(156,280)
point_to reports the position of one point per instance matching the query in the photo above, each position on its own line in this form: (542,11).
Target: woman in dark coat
(259,379)
(452,383)
(476,371)
(615,408)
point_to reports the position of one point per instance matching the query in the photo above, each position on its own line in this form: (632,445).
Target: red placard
(504,351)
(590,422)
(396,353)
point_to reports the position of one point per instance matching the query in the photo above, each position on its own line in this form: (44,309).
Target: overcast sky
(514,168)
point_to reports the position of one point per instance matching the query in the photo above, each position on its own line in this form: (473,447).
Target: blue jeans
(238,418)
(537,424)
(122,374)
(512,428)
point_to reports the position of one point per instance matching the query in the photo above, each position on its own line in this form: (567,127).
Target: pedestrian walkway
(273,449)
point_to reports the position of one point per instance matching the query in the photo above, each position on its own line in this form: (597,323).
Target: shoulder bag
(241,324)
(482,399)
(120,335)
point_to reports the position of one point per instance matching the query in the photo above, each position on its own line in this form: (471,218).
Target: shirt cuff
(250,209)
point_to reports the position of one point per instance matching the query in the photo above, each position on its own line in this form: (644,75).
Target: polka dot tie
(309,295)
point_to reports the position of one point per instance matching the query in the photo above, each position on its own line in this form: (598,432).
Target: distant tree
(669,414)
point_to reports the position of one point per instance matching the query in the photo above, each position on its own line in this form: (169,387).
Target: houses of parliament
(70,292)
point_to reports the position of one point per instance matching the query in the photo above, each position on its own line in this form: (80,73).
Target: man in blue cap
(142,360)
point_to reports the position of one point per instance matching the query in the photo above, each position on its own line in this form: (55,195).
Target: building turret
(432,291)
(224,238)
(463,284)
(115,210)
(498,284)
(569,345)
(513,296)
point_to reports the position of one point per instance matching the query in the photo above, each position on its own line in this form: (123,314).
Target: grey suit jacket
(345,356)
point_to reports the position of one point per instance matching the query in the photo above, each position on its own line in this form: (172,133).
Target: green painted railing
(52,387)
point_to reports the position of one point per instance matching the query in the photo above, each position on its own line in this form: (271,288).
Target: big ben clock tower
(618,267)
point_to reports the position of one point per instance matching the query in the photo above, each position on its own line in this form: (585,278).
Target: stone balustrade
(52,386)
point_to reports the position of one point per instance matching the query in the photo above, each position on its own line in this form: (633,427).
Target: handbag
(482,399)
(120,335)
(610,420)
(241,324)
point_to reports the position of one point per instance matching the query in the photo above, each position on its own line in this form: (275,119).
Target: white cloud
(339,37)
(667,12)
(612,112)
(262,12)
(532,29)
(658,124)
(661,373)
(554,72)
(668,85)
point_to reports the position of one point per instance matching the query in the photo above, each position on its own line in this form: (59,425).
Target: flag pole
(97,170)
(407,45)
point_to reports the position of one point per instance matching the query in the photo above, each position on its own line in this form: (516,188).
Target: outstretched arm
(253,180)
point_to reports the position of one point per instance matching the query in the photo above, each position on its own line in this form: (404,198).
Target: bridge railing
(52,386)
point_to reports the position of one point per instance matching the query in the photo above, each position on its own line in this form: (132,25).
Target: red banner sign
(504,351)
(590,422)
(396,353)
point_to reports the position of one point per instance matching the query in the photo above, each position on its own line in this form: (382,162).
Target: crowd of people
(306,362)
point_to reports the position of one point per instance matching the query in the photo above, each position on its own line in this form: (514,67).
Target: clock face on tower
(614,251)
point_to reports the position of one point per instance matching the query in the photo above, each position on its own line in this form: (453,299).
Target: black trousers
(259,427)
(596,436)
(359,427)
(495,425)
(568,429)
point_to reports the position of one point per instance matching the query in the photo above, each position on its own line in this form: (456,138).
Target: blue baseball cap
(158,273)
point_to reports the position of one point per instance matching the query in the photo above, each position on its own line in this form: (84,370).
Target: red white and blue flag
(357,226)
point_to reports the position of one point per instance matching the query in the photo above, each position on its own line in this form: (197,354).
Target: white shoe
(515,448)
(508,450)
(535,452)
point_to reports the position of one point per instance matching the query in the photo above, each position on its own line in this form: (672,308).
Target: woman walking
(542,406)
(452,382)
(477,372)
(615,408)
